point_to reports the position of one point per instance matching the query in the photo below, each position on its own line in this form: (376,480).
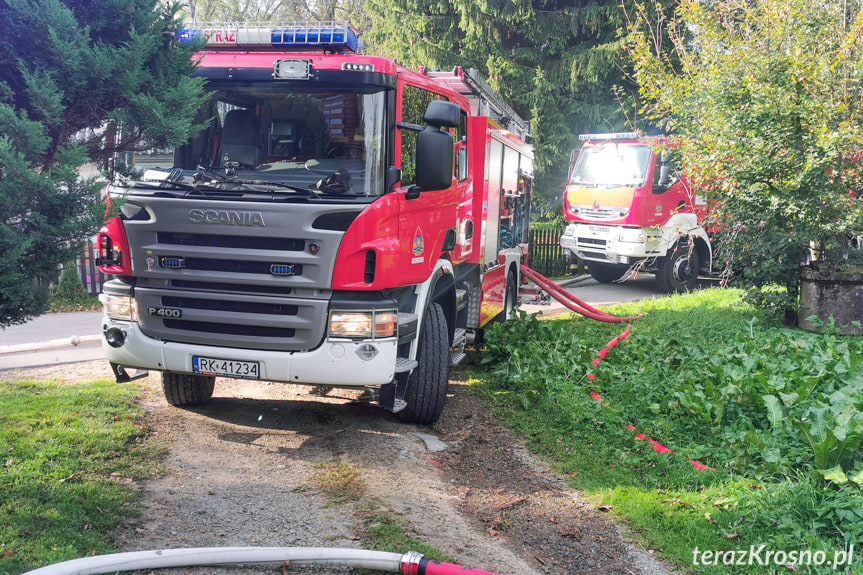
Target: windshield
(612,164)
(269,132)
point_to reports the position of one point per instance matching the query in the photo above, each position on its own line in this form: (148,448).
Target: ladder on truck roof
(484,100)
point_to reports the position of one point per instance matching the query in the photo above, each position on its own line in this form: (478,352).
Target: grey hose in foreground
(206,556)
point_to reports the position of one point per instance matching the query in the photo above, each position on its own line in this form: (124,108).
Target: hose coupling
(410,563)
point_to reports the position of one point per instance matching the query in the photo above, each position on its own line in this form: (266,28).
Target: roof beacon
(610,136)
(293,35)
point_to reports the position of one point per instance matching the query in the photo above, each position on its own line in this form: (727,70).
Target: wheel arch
(443,293)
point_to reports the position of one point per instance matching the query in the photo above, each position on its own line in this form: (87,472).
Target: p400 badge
(165,312)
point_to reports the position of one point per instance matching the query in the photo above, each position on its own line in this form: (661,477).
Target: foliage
(556,63)
(70,289)
(700,373)
(220,11)
(84,65)
(767,98)
(70,453)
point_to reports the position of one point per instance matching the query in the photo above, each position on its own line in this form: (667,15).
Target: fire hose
(570,301)
(410,563)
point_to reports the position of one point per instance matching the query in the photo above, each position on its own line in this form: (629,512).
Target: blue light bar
(610,136)
(293,36)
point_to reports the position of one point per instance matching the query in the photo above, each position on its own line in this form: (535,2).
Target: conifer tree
(560,64)
(68,70)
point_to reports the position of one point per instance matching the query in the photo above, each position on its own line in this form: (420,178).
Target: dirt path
(240,472)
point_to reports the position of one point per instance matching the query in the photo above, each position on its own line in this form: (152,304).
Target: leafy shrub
(70,291)
(777,413)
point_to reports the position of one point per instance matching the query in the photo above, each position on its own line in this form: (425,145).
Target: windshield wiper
(225,181)
(309,192)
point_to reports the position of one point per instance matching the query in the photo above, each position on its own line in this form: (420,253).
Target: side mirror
(435,148)
(442,114)
(435,154)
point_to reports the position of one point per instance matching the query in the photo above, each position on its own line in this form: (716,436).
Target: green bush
(70,290)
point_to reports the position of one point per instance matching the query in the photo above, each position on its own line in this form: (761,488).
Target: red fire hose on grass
(410,563)
(570,301)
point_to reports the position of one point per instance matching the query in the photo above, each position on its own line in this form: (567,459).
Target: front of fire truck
(236,260)
(629,209)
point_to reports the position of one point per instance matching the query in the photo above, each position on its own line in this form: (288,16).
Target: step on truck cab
(629,208)
(342,222)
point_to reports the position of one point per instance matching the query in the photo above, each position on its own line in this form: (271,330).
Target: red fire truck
(343,222)
(631,210)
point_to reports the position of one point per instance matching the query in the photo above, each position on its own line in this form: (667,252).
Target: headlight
(121,307)
(365,324)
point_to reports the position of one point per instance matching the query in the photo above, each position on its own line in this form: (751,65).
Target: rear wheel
(427,385)
(182,389)
(605,273)
(678,271)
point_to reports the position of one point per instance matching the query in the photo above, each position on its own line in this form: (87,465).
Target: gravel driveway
(240,472)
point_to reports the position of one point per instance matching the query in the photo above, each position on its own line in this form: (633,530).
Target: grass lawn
(775,413)
(69,454)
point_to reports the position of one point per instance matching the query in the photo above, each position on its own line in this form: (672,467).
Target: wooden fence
(547,257)
(90,275)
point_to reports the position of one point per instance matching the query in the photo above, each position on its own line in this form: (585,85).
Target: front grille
(588,212)
(228,329)
(228,287)
(600,214)
(229,306)
(238,242)
(591,245)
(259,286)
(591,241)
(252,321)
(238,266)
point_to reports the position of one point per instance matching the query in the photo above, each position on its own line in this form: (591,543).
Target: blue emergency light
(292,36)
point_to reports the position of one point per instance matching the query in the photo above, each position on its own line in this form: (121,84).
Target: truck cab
(631,210)
(341,221)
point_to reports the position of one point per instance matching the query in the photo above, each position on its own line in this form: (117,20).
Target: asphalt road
(59,338)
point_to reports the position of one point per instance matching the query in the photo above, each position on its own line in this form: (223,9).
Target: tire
(678,271)
(606,273)
(508,299)
(427,384)
(183,389)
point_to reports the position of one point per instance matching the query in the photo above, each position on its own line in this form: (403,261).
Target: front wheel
(427,385)
(678,271)
(183,389)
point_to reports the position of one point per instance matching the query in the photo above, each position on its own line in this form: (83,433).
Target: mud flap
(392,396)
(122,376)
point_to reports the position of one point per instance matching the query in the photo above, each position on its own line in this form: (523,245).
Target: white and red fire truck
(630,209)
(342,222)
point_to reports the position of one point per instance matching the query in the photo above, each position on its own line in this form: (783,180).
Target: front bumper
(337,362)
(611,244)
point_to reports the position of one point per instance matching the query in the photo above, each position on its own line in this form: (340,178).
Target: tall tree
(559,63)
(210,11)
(68,70)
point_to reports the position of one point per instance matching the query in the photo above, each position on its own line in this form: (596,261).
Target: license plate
(226,367)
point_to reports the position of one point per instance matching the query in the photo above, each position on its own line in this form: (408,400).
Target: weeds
(776,413)
(340,481)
